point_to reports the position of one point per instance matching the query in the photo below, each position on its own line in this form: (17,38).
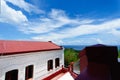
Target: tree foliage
(70,55)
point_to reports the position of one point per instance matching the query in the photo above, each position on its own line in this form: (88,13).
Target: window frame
(57,62)
(29,72)
(11,75)
(50,65)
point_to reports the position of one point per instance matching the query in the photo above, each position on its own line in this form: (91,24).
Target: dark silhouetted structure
(99,62)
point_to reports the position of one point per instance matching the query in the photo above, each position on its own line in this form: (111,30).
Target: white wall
(38,59)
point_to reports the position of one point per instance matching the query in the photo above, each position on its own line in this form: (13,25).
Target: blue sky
(65,22)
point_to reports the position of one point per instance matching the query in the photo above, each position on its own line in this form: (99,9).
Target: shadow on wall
(99,62)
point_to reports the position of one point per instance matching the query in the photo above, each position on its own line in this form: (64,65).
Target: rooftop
(62,74)
(8,47)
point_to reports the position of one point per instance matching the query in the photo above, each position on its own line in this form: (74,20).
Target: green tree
(70,55)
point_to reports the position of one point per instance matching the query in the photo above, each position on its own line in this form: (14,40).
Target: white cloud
(115,32)
(9,15)
(55,19)
(85,29)
(99,41)
(91,28)
(57,26)
(26,6)
(81,30)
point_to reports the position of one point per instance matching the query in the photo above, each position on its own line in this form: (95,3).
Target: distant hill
(75,47)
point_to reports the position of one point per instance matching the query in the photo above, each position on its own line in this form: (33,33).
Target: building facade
(27,60)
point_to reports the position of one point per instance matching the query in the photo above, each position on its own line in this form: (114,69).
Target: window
(29,72)
(12,75)
(57,62)
(50,65)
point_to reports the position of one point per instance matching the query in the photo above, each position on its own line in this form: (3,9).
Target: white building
(28,60)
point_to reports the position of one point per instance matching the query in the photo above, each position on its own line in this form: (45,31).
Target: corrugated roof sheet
(8,47)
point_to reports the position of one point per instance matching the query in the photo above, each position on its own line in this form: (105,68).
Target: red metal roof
(61,71)
(8,47)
